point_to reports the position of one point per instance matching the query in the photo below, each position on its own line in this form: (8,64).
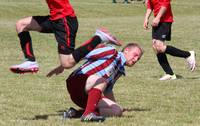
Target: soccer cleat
(107,37)
(70,113)
(25,67)
(191,62)
(168,77)
(92,118)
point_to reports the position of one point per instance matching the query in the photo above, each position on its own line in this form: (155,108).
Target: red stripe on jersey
(100,55)
(105,76)
(102,66)
(103,54)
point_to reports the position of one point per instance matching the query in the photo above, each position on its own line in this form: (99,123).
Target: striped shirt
(105,62)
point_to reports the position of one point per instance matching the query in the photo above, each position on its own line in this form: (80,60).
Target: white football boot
(168,77)
(191,62)
(107,37)
(25,67)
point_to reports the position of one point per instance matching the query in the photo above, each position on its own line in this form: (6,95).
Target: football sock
(26,45)
(94,96)
(162,59)
(79,113)
(84,49)
(176,52)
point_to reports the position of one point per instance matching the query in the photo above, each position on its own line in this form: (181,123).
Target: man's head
(132,53)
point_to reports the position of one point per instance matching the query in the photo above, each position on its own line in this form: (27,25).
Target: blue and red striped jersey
(105,62)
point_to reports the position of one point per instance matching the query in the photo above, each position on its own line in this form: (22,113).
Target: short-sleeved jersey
(105,62)
(59,9)
(155,5)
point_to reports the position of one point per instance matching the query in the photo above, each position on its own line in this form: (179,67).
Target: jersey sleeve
(149,5)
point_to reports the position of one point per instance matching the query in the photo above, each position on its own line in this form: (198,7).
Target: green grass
(151,102)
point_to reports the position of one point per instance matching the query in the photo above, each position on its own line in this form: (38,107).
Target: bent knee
(117,111)
(159,46)
(21,25)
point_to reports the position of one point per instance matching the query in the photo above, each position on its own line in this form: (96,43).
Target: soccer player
(63,23)
(161,32)
(90,86)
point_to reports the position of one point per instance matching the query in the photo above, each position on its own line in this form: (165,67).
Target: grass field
(35,100)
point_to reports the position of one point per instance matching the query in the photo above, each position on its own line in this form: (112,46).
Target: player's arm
(147,15)
(156,20)
(58,70)
(146,19)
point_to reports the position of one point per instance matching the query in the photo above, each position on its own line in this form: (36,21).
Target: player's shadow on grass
(45,116)
(177,76)
(60,113)
(135,110)
(192,78)
(181,77)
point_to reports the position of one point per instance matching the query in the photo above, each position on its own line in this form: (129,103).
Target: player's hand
(58,70)
(155,22)
(145,25)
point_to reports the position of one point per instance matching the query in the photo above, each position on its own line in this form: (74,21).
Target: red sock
(94,96)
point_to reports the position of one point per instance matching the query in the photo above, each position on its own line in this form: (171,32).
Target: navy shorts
(162,31)
(76,88)
(64,29)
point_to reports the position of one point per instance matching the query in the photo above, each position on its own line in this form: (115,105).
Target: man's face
(132,55)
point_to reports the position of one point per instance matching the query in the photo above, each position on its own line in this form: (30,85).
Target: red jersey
(60,8)
(155,5)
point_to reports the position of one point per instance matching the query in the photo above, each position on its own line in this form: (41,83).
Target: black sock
(176,52)
(162,59)
(26,45)
(84,49)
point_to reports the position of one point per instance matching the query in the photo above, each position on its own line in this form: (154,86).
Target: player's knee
(94,81)
(117,110)
(20,25)
(159,47)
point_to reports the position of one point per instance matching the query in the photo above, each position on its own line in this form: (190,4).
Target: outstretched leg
(23,27)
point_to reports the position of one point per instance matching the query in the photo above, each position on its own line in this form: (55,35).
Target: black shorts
(65,30)
(76,88)
(162,31)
